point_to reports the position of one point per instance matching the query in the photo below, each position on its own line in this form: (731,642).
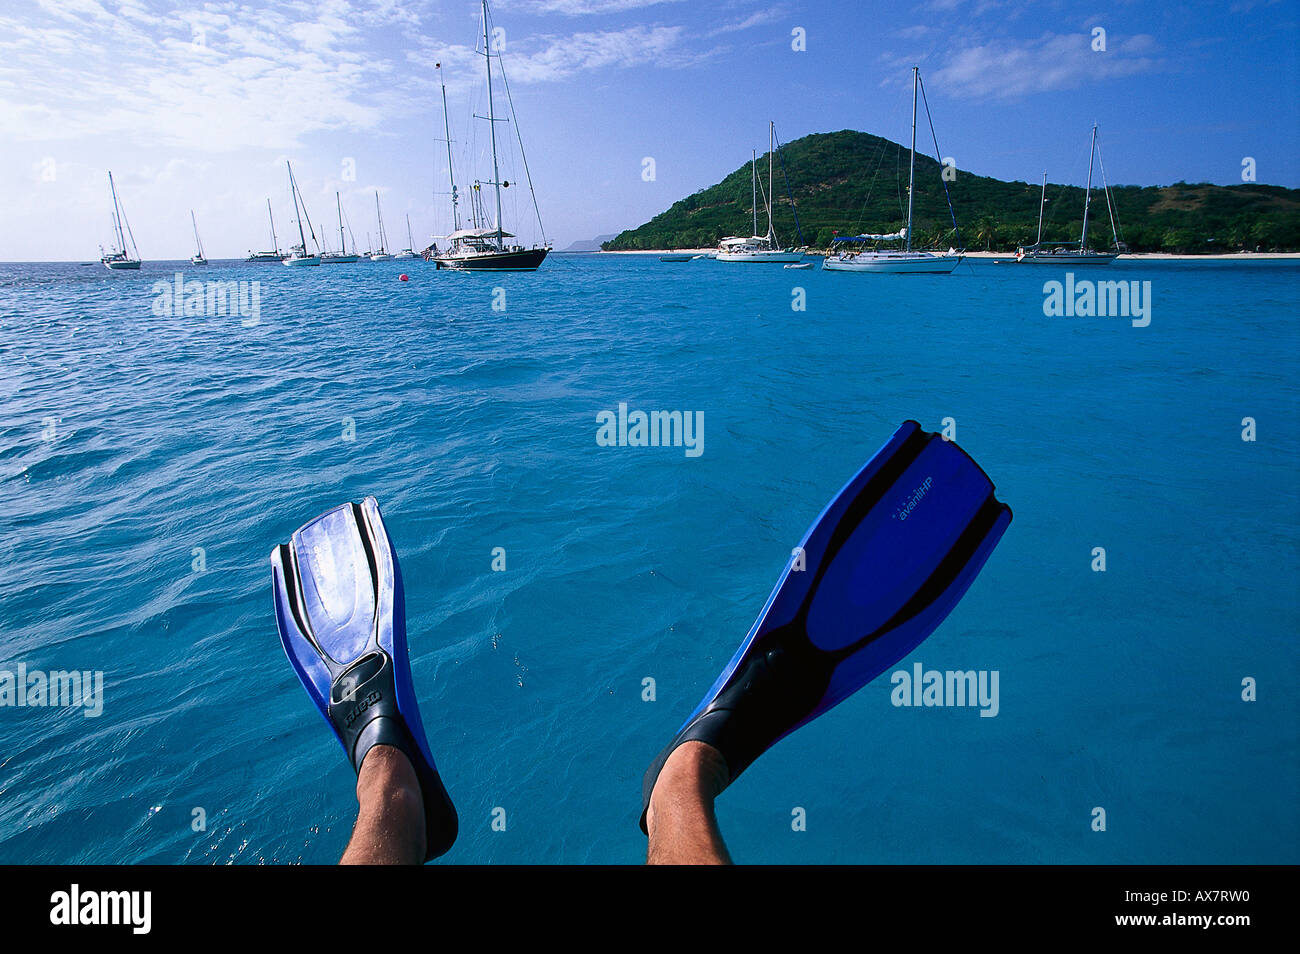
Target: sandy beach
(1226,256)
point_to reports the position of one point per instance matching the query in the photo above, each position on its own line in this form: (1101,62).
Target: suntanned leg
(683,828)
(390,824)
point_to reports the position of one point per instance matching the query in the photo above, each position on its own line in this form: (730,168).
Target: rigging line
(520,136)
(1054,200)
(130,235)
(786,175)
(348,225)
(310,230)
(938,158)
(1114,220)
(871,187)
(122,212)
(898,185)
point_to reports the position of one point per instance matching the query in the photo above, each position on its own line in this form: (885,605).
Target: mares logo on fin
(363,705)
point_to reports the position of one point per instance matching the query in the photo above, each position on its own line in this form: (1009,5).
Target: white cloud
(219,78)
(562,57)
(1004,69)
(753,20)
(232,75)
(578,8)
(549,57)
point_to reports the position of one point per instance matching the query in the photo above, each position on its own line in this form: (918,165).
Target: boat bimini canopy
(891,237)
(479,233)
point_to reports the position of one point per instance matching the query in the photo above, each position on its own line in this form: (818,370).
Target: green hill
(853,182)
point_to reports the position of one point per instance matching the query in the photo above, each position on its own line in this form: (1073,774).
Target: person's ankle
(390,826)
(387,772)
(694,770)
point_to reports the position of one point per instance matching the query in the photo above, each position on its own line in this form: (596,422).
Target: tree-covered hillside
(852,182)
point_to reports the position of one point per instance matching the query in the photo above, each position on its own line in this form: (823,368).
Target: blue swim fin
(341,614)
(877,572)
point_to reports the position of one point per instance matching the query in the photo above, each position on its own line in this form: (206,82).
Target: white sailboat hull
(380,257)
(294,260)
(894,263)
(1066,258)
(338,258)
(130,265)
(760,256)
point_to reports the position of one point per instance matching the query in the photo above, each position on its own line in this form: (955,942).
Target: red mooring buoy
(404,278)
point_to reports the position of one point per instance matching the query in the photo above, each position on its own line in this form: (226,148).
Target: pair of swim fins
(340,609)
(877,572)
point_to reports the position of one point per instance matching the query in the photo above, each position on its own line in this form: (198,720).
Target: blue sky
(197,105)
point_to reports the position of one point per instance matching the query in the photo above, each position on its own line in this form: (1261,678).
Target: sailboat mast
(771,183)
(1087,195)
(197,240)
(446,125)
(117,215)
(492,119)
(911,172)
(753,179)
(275,243)
(410,242)
(297,213)
(1041,203)
(343,242)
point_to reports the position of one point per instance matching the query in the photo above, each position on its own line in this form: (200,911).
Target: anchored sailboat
(197,259)
(298,253)
(273,256)
(380,254)
(759,248)
(484,248)
(344,257)
(1065,253)
(897,261)
(407,252)
(117,258)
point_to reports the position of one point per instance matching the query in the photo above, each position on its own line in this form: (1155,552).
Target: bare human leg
(390,823)
(682,826)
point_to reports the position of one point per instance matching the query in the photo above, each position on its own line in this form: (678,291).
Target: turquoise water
(475,428)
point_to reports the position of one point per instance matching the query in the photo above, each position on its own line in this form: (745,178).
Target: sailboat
(897,261)
(344,257)
(197,259)
(273,256)
(484,247)
(298,253)
(759,248)
(409,251)
(380,254)
(117,258)
(1064,253)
